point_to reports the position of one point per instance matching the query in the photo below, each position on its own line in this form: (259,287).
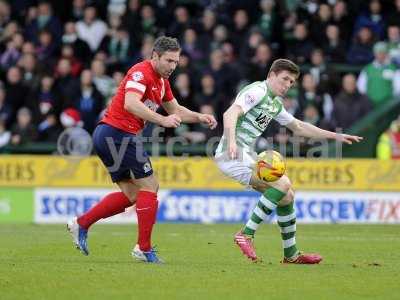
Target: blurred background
(61,62)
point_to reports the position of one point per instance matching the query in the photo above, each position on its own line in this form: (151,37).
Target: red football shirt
(144,80)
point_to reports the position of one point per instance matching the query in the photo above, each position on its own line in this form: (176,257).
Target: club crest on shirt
(137,76)
(273,107)
(147,167)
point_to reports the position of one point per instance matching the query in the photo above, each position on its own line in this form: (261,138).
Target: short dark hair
(281,64)
(164,44)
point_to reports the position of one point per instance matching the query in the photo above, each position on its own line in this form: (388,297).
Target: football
(270,166)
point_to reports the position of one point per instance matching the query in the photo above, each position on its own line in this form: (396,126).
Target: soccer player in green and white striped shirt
(245,120)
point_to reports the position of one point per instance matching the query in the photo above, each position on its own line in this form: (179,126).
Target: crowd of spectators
(61,61)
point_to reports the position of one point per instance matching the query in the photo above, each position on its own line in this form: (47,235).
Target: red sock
(110,205)
(146,210)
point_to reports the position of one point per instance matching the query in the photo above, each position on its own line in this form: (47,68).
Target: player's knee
(284,184)
(289,198)
(152,185)
(131,195)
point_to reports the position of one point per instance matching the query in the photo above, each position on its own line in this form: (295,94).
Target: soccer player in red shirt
(144,88)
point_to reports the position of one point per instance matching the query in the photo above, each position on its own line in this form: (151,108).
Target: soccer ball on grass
(270,166)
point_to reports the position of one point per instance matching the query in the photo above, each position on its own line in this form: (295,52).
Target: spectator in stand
(16,91)
(325,78)
(207,24)
(145,50)
(64,84)
(91,29)
(23,131)
(230,58)
(225,78)
(185,65)
(70,37)
(393,42)
(131,20)
(5,14)
(119,49)
(30,71)
(360,52)
(380,80)
(312,115)
(5,135)
(191,45)
(349,106)
(70,117)
(248,49)
(182,88)
(8,32)
(180,23)
(207,94)
(10,56)
(269,21)
(67,52)
(43,99)
(240,29)
(44,21)
(394,16)
(299,49)
(309,95)
(220,36)
(103,83)
(334,47)
(49,129)
(389,142)
(87,100)
(343,20)
(78,9)
(208,98)
(46,48)
(6,112)
(149,21)
(259,63)
(320,23)
(28,48)
(372,19)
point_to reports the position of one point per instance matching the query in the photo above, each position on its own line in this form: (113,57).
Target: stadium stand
(61,61)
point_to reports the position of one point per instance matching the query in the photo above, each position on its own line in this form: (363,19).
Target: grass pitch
(39,262)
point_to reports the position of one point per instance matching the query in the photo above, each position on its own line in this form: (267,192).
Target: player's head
(165,55)
(282,75)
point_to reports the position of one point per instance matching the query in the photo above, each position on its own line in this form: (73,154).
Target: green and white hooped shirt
(260,106)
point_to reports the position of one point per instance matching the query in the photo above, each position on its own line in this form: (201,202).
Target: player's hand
(171,121)
(209,120)
(348,139)
(232,151)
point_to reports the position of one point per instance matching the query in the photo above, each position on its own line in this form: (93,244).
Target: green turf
(39,262)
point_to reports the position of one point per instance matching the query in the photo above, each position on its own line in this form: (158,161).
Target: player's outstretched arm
(308,130)
(231,116)
(133,105)
(188,116)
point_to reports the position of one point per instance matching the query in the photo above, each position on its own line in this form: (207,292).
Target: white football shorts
(239,169)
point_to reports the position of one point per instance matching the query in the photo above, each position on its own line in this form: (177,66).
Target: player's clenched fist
(209,120)
(171,121)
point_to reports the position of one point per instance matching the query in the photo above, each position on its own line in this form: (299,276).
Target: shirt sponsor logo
(249,99)
(263,120)
(151,105)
